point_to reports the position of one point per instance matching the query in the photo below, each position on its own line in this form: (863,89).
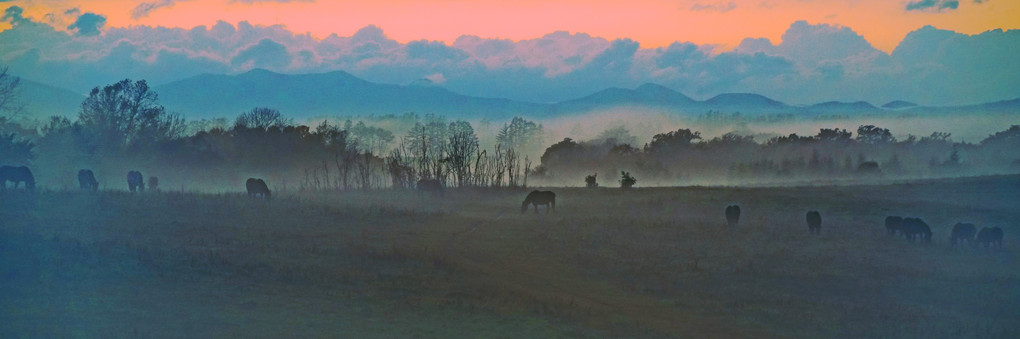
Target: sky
(938,52)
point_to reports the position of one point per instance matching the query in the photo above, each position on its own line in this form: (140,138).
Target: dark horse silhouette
(433,186)
(153,184)
(962,232)
(87,180)
(547,198)
(732,215)
(915,228)
(257,188)
(990,237)
(893,224)
(135,181)
(17,175)
(814,222)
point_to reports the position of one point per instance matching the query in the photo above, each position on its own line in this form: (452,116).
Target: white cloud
(716,7)
(812,63)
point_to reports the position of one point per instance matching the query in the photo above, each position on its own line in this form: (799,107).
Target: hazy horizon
(809,59)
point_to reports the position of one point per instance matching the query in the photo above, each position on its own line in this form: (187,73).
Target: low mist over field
(449,169)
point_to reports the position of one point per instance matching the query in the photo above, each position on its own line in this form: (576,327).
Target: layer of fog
(645,123)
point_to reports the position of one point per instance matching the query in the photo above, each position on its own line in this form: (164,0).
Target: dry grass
(638,263)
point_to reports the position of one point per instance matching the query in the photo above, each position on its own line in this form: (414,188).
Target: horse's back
(542,197)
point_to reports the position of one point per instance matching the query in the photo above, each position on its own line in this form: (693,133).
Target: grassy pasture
(646,262)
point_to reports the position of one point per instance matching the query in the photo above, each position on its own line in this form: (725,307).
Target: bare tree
(10,93)
(463,146)
(519,133)
(261,118)
(400,165)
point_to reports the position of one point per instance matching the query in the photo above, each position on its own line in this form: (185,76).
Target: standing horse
(962,232)
(893,224)
(814,222)
(87,180)
(154,184)
(257,188)
(433,186)
(732,215)
(135,181)
(536,197)
(17,175)
(990,237)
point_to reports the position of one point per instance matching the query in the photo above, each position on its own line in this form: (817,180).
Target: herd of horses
(86,179)
(136,182)
(910,228)
(915,228)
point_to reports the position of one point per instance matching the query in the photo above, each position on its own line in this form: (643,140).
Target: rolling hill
(336,93)
(42,100)
(333,93)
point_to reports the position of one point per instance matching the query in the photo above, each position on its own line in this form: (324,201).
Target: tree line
(122,126)
(684,156)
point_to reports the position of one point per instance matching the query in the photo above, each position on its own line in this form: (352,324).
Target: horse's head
(524,206)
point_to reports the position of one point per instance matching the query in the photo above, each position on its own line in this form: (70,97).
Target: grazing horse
(990,237)
(87,180)
(732,215)
(536,197)
(893,224)
(257,188)
(814,222)
(135,181)
(433,186)
(963,232)
(17,175)
(154,184)
(915,228)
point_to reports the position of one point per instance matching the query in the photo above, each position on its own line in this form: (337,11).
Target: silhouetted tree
(14,150)
(1010,136)
(128,114)
(369,138)
(616,135)
(563,151)
(519,133)
(666,142)
(626,180)
(954,159)
(262,118)
(10,100)
(463,147)
(792,139)
(834,135)
(731,140)
(870,134)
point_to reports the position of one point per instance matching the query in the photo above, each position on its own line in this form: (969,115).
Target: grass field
(646,262)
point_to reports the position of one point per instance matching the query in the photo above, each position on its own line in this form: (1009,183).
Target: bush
(627,181)
(590,181)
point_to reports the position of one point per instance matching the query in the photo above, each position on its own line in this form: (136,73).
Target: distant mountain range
(304,96)
(43,100)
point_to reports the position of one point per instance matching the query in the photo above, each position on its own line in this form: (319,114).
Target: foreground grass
(640,263)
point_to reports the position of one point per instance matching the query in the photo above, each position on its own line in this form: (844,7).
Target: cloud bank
(933,5)
(812,63)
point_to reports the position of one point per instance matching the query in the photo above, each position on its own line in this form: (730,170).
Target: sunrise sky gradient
(931,52)
(654,23)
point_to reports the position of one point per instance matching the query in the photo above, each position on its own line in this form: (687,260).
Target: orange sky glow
(653,23)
